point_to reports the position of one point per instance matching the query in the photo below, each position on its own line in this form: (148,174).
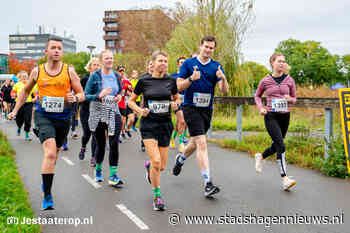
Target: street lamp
(91,48)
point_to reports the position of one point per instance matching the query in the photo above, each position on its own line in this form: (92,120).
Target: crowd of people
(109,105)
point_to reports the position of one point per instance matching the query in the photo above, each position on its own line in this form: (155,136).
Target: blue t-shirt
(201,92)
(110,81)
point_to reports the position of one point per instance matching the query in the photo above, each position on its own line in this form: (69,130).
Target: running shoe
(185,140)
(172,143)
(133,128)
(288,183)
(74,135)
(123,135)
(115,181)
(119,140)
(129,134)
(158,204)
(148,166)
(48,203)
(177,166)
(27,138)
(210,189)
(258,162)
(98,176)
(65,146)
(93,161)
(82,153)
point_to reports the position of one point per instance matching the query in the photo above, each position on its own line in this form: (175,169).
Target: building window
(112,33)
(110,43)
(18,46)
(31,37)
(111,15)
(111,25)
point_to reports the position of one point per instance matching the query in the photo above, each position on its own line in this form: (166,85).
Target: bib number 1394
(53,104)
(201,99)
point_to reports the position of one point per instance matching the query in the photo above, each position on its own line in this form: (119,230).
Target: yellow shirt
(133,84)
(18,87)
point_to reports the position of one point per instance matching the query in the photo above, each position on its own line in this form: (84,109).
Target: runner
(132,117)
(6,97)
(280,90)
(160,94)
(55,82)
(198,77)
(182,135)
(24,115)
(124,109)
(103,90)
(91,67)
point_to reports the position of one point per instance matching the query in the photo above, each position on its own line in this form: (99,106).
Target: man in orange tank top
(53,109)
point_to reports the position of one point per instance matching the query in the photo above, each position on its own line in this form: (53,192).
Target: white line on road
(91,181)
(133,217)
(68,161)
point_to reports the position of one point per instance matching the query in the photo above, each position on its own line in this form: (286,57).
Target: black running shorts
(197,119)
(158,130)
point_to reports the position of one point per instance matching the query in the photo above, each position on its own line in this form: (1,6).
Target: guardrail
(327,103)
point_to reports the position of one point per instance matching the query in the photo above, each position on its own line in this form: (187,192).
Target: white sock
(206,176)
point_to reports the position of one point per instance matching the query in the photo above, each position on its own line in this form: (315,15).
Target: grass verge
(13,197)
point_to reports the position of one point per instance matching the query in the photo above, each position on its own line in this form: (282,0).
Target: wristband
(76,98)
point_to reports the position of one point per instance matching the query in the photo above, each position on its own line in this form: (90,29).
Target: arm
(293,93)
(183,84)
(89,96)
(258,95)
(132,103)
(25,92)
(76,86)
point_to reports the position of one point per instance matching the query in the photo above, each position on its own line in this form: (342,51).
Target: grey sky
(276,20)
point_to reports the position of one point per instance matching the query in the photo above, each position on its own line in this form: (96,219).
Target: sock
(98,166)
(113,170)
(206,176)
(157,192)
(173,136)
(181,141)
(27,134)
(47,183)
(182,158)
(6,115)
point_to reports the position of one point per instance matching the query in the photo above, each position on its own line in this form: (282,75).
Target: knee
(201,143)
(156,164)
(51,155)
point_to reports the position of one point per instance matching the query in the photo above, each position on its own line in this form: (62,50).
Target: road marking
(68,161)
(133,217)
(91,181)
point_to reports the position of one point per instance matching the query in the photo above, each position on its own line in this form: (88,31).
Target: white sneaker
(288,183)
(258,162)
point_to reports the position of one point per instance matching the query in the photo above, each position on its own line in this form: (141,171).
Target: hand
(117,98)
(220,73)
(196,74)
(11,116)
(174,105)
(263,111)
(180,124)
(105,92)
(70,97)
(144,112)
(288,98)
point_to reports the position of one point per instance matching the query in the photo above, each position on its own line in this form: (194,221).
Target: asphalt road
(129,209)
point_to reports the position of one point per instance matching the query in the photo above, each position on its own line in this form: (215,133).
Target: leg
(154,155)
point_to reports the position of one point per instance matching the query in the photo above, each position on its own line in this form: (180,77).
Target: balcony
(108,37)
(110,20)
(110,29)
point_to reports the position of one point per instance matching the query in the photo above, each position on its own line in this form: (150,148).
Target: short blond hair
(274,56)
(103,52)
(155,54)
(88,65)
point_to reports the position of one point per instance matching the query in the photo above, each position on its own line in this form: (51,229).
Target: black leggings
(24,115)
(277,126)
(100,135)
(84,119)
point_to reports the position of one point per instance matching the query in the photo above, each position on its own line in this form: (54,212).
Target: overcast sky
(276,20)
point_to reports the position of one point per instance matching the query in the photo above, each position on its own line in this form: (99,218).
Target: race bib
(108,100)
(279,105)
(158,106)
(201,99)
(182,98)
(53,104)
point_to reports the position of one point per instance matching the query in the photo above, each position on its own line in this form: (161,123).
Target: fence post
(328,129)
(239,122)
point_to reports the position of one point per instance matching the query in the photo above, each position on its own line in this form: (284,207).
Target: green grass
(302,151)
(13,197)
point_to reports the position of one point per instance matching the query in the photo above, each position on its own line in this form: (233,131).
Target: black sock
(47,183)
